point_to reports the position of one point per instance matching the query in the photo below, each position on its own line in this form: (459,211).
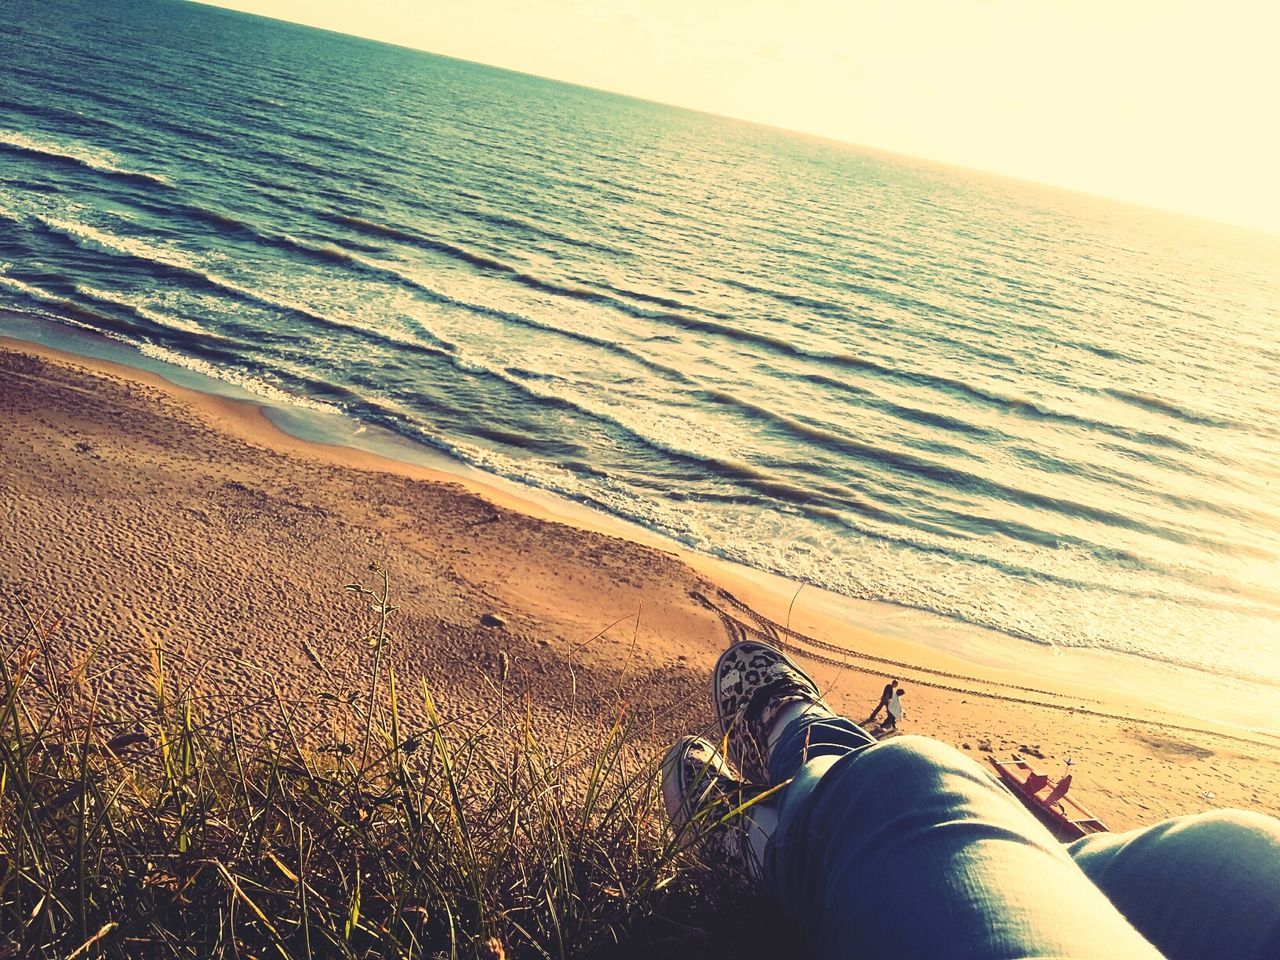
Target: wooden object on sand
(1064,815)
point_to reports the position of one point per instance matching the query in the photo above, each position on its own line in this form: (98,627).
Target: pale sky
(1170,103)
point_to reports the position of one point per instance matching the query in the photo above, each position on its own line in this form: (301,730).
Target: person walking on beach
(894,711)
(885,696)
(907,848)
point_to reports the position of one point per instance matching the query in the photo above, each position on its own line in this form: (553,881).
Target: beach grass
(195,829)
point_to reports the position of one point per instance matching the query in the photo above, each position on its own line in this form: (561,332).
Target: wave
(757,478)
(29,186)
(1153,404)
(127,321)
(1019,406)
(170,264)
(928,418)
(828,308)
(77,314)
(484,262)
(371,226)
(70,313)
(770,488)
(90,158)
(165,321)
(612,346)
(91,237)
(26,289)
(539,231)
(742,334)
(59,115)
(227,223)
(229,374)
(655,299)
(325,253)
(214,218)
(177,261)
(406,236)
(773,487)
(415,283)
(1106,353)
(714,326)
(900,463)
(175,264)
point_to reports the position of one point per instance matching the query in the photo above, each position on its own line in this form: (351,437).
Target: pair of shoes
(750,684)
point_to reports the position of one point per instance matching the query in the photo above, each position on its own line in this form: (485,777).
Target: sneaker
(700,790)
(750,684)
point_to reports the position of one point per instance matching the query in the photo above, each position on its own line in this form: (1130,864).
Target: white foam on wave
(13,283)
(272,296)
(54,300)
(95,158)
(142,309)
(246,382)
(84,234)
(88,236)
(250,384)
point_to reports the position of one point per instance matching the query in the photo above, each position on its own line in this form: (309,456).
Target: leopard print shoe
(751,682)
(709,806)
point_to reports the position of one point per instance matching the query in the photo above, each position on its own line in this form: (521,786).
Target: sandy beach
(142,515)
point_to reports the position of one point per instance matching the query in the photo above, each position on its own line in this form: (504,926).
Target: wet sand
(143,515)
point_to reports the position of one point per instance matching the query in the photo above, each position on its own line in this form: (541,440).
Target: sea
(1041,413)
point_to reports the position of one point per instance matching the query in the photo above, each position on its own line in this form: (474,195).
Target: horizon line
(1270,233)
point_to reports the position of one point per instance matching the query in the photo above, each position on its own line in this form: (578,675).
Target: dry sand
(144,514)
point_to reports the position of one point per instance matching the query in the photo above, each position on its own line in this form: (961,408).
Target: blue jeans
(907,849)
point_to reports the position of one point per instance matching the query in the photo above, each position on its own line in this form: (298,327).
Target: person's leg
(804,731)
(758,689)
(909,849)
(1200,887)
(904,848)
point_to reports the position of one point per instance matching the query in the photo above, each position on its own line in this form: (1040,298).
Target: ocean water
(1038,412)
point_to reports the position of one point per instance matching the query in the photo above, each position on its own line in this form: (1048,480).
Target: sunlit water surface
(1027,410)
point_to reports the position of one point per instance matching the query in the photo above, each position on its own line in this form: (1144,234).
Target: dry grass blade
(182,830)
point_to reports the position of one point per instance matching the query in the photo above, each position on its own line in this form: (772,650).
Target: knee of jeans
(1241,842)
(912,766)
(927,764)
(1230,820)
(913,754)
(1230,832)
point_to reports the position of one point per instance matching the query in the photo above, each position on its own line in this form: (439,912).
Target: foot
(709,805)
(750,684)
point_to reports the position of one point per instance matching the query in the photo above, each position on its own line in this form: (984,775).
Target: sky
(1166,103)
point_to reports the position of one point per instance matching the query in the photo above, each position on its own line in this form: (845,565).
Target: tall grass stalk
(182,830)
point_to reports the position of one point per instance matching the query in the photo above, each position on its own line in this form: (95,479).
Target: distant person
(885,696)
(894,712)
(908,849)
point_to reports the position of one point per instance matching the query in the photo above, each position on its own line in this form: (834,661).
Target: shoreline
(1116,683)
(159,515)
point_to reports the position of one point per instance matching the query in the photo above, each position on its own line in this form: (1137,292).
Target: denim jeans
(907,849)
